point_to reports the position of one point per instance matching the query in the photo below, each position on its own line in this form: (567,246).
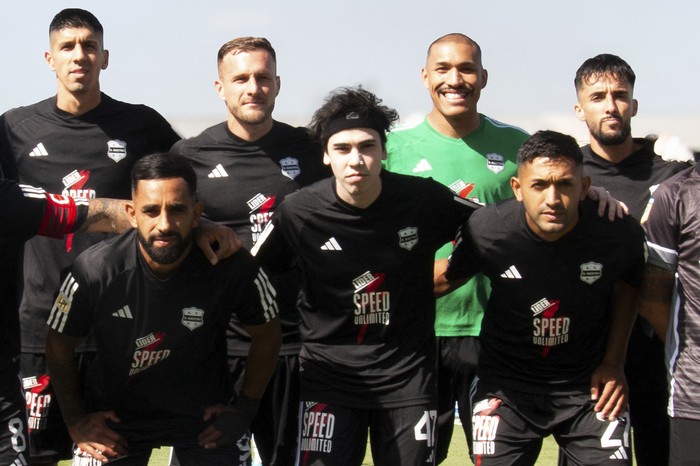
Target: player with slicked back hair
(629,168)
(80,142)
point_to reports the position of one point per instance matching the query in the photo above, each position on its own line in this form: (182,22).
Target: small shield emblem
(192,317)
(591,271)
(290,167)
(495,162)
(63,303)
(116,150)
(408,237)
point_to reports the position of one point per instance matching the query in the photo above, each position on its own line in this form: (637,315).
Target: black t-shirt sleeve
(178,148)
(662,228)
(256,302)
(634,271)
(465,260)
(272,250)
(72,311)
(451,210)
(8,167)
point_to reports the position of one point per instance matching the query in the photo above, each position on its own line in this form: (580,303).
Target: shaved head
(456,37)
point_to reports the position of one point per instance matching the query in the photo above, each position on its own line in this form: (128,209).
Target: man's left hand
(229,424)
(216,241)
(616,209)
(609,388)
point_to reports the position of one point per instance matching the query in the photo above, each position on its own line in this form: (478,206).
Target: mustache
(464,86)
(164,235)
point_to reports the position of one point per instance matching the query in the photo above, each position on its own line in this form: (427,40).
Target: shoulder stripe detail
(61,307)
(20,461)
(661,256)
(500,124)
(267,296)
(32,192)
(673,348)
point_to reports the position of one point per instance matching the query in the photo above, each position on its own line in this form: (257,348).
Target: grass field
(457,457)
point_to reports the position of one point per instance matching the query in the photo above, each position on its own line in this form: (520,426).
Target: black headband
(349,121)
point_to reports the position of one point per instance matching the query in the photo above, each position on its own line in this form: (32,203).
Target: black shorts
(49,440)
(508,428)
(331,435)
(13,420)
(684,442)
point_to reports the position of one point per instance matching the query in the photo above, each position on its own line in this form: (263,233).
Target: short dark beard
(612,139)
(168,255)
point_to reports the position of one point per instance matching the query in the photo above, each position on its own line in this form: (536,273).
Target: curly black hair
(352,100)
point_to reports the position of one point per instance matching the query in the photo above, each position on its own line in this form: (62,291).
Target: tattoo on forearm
(110,211)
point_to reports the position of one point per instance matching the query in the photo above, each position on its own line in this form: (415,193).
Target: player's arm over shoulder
(464,262)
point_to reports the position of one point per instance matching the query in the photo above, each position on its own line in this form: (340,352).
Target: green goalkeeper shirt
(477,167)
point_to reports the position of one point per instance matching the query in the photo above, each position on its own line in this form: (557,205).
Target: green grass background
(458,455)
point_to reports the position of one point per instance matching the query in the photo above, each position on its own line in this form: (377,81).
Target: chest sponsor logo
(591,272)
(408,237)
(148,352)
(192,317)
(461,188)
(290,167)
(548,329)
(75,182)
(116,150)
(495,162)
(261,210)
(372,305)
